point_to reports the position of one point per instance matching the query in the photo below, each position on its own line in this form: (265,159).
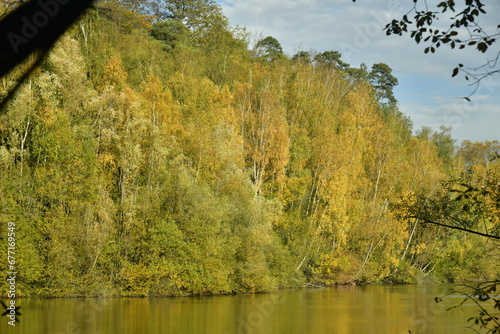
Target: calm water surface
(354,309)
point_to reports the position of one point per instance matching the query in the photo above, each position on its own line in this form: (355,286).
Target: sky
(426,92)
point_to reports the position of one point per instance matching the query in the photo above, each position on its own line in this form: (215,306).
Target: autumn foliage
(132,168)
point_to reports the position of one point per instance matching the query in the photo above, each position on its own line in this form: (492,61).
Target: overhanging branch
(427,221)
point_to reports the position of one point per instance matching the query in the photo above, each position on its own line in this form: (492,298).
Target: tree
(170,33)
(480,153)
(331,58)
(265,130)
(360,74)
(470,207)
(123,15)
(134,5)
(208,170)
(194,14)
(443,142)
(302,57)
(464,31)
(383,81)
(269,48)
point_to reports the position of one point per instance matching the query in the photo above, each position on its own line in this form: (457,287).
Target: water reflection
(353,309)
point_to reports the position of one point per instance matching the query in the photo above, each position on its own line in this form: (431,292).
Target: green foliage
(170,33)
(331,58)
(185,165)
(302,57)
(383,81)
(467,207)
(269,48)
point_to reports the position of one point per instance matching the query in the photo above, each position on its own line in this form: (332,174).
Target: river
(344,310)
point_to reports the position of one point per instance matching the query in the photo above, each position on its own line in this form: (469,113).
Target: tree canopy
(383,81)
(269,47)
(154,157)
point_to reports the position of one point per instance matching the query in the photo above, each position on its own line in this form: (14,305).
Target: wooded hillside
(169,157)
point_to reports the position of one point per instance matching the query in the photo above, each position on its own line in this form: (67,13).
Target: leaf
(455,72)
(421,21)
(482,47)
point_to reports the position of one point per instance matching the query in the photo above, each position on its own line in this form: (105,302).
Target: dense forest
(158,151)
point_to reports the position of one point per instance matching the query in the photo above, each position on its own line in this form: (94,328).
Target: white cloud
(476,121)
